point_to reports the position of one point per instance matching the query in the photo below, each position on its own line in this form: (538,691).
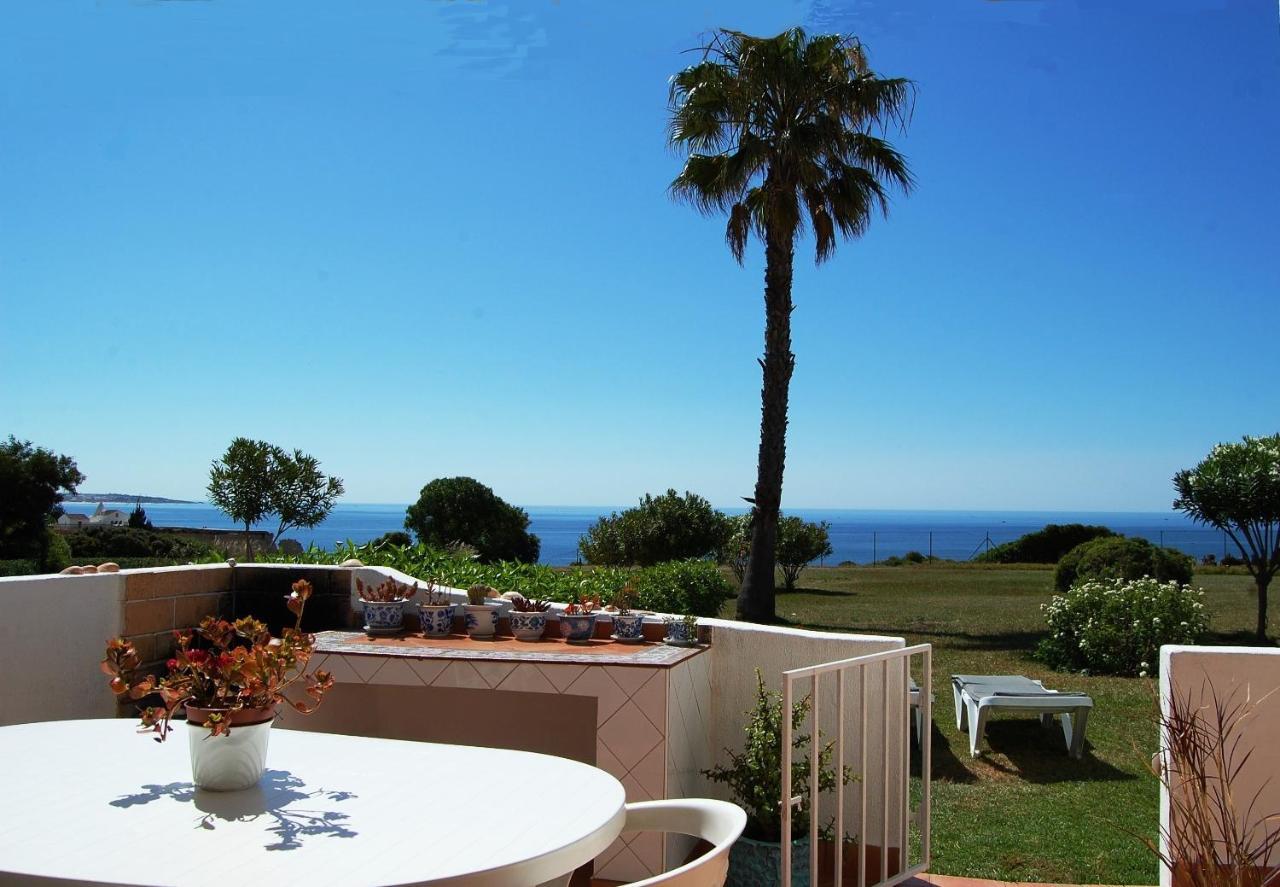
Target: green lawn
(1023,812)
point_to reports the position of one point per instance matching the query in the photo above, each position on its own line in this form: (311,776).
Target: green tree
(1236,489)
(255,480)
(138,517)
(299,493)
(453,510)
(780,132)
(661,528)
(800,542)
(32,482)
(240,482)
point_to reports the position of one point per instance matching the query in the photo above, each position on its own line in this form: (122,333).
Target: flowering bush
(240,666)
(1116,626)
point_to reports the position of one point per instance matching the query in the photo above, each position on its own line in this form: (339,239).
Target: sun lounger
(977,695)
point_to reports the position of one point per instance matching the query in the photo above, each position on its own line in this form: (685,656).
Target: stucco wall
(1247,675)
(51,641)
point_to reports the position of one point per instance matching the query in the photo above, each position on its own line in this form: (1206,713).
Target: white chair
(719,823)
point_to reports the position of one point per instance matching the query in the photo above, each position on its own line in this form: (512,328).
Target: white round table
(94,801)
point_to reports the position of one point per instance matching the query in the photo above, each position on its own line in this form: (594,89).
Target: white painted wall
(1252,674)
(52,638)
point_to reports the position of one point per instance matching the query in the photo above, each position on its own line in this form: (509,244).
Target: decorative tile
(427,670)
(629,680)
(608,763)
(624,866)
(594,682)
(629,735)
(399,672)
(636,791)
(527,678)
(493,673)
(342,672)
(651,699)
(561,676)
(460,674)
(367,666)
(651,772)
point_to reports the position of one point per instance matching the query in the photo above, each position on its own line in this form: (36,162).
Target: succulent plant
(390,590)
(524,605)
(478,594)
(433,597)
(624,600)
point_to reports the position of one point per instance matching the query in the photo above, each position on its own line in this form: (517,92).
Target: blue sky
(435,240)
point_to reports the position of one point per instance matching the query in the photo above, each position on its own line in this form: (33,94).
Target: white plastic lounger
(977,695)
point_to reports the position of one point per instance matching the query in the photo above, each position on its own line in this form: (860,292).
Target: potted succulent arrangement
(578,621)
(628,626)
(230,677)
(682,631)
(754,777)
(528,618)
(481,616)
(384,605)
(436,611)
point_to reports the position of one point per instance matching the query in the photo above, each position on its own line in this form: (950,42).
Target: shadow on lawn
(818,592)
(1012,641)
(1039,755)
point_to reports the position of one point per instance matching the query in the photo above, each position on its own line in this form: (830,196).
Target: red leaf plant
(237,666)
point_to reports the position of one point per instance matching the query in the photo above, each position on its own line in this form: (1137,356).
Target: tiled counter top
(505,649)
(639,711)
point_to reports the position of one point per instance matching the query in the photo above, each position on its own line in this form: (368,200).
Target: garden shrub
(695,587)
(1117,626)
(56,556)
(661,528)
(453,510)
(18,567)
(1120,558)
(1045,546)
(102,543)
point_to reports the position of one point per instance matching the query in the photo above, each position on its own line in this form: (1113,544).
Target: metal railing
(895,682)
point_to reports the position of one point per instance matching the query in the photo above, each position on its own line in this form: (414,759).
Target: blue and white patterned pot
(680,633)
(759,863)
(527,626)
(481,619)
(383,615)
(577,629)
(628,626)
(437,621)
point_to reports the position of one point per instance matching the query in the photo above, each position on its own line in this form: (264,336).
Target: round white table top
(94,801)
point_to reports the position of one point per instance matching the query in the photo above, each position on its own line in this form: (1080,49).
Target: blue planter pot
(527,626)
(437,621)
(759,863)
(577,629)
(384,615)
(679,633)
(628,626)
(482,620)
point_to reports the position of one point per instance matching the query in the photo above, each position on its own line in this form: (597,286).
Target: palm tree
(779,131)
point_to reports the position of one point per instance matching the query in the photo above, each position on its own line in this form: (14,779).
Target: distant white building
(109,517)
(73,520)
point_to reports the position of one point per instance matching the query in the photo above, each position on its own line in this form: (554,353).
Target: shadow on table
(279,795)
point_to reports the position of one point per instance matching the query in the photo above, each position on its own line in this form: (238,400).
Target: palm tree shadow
(279,796)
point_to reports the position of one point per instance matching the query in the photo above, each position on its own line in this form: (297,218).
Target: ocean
(857,535)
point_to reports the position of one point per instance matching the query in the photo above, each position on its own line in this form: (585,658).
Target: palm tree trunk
(1262,580)
(756,599)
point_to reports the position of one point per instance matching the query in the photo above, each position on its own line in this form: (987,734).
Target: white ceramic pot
(481,619)
(527,626)
(231,762)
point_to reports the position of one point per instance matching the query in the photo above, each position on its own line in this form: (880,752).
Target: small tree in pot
(754,777)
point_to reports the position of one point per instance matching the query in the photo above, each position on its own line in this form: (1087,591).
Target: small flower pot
(577,629)
(481,619)
(681,634)
(628,627)
(383,616)
(759,863)
(235,760)
(527,626)
(437,621)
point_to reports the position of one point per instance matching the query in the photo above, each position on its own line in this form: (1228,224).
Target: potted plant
(384,605)
(754,777)
(528,618)
(682,631)
(436,611)
(230,677)
(628,626)
(481,617)
(577,622)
